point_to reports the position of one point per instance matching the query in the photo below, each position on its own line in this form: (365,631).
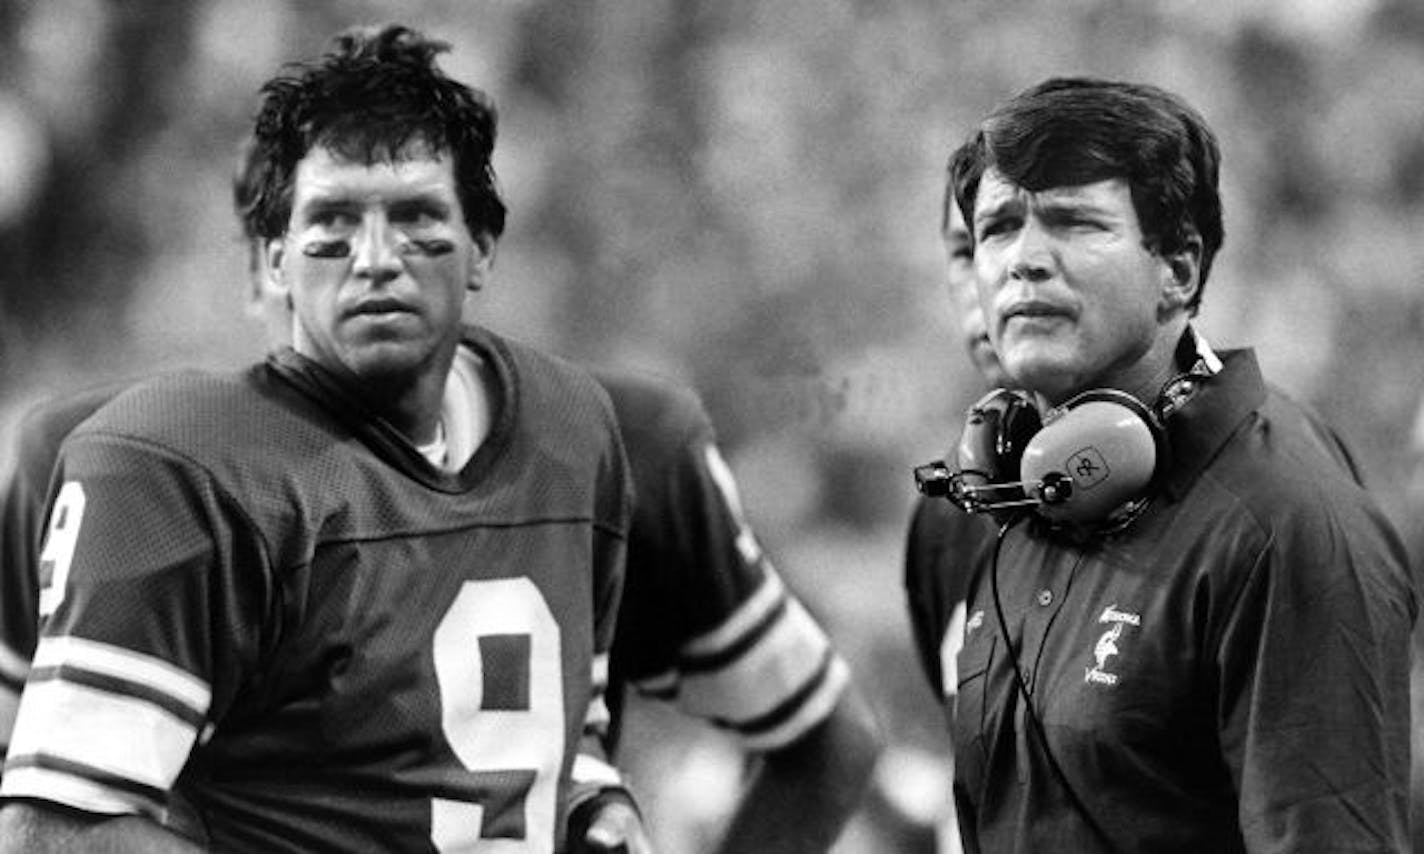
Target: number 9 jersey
(271,623)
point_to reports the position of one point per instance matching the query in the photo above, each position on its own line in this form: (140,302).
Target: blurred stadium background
(743,194)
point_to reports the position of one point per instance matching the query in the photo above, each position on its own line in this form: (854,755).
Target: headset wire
(1035,723)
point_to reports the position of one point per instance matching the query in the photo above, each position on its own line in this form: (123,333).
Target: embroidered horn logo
(1107,645)
(1105,648)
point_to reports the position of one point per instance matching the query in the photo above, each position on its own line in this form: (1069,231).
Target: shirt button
(1045,597)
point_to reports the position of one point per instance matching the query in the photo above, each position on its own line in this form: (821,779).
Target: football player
(706,622)
(360,596)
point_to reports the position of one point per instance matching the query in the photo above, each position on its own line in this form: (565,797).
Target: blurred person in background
(1210,652)
(964,295)
(706,622)
(256,595)
(944,544)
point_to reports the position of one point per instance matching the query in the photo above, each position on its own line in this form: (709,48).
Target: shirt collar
(1199,429)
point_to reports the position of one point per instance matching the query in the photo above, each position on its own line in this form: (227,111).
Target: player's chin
(388,358)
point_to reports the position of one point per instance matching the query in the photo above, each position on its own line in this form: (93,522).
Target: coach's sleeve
(1313,670)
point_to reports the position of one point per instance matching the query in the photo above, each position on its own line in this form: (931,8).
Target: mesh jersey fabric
(706,621)
(310,636)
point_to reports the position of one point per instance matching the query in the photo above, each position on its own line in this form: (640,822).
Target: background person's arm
(35,828)
(804,793)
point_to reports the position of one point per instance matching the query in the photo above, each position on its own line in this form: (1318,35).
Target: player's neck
(411,405)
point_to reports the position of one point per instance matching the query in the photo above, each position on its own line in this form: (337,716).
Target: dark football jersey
(943,549)
(32,447)
(270,614)
(706,621)
(687,575)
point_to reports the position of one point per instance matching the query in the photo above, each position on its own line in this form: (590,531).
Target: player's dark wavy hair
(1079,130)
(247,187)
(375,92)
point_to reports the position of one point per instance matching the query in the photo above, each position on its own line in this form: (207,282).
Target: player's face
(1071,294)
(376,259)
(959,252)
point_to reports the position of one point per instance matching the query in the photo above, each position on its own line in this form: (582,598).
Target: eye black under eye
(434,246)
(327,249)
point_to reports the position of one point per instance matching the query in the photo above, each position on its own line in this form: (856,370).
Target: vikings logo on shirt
(1107,645)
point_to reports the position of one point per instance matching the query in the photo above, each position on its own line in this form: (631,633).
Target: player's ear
(481,260)
(270,274)
(257,281)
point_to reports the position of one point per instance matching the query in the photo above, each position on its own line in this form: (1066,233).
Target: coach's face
(1073,297)
(376,259)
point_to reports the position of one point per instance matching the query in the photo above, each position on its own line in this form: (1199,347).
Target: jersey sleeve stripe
(785,657)
(949,651)
(597,719)
(592,770)
(788,707)
(13,668)
(126,665)
(84,789)
(117,736)
(600,672)
(768,597)
(9,704)
(710,661)
(800,715)
(120,687)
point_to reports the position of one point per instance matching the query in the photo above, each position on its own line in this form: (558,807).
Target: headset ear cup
(1021,422)
(1102,450)
(995,432)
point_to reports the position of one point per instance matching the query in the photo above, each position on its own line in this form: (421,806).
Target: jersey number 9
(510,738)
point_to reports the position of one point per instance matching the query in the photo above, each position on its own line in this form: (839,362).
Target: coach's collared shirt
(1229,673)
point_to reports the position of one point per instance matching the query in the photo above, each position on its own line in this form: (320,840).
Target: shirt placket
(1044,595)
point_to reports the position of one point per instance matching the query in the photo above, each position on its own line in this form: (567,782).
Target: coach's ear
(1181,277)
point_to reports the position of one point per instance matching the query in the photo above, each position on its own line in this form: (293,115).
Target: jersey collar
(331,392)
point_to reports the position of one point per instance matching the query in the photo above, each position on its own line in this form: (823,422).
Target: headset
(1089,463)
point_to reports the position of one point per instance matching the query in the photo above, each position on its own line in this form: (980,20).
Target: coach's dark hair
(946,209)
(1078,130)
(375,92)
